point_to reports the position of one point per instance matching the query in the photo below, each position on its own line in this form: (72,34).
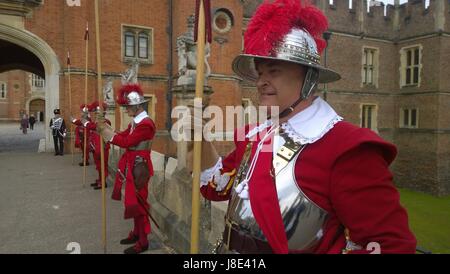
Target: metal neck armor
(303,220)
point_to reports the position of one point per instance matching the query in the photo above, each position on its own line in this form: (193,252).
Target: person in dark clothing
(59,132)
(32,121)
(24,123)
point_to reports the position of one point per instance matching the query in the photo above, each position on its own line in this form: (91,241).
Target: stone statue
(187,56)
(131,74)
(108,92)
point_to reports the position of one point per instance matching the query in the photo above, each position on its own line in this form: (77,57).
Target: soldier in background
(91,126)
(79,134)
(59,131)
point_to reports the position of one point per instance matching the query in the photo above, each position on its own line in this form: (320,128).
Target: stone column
(185,96)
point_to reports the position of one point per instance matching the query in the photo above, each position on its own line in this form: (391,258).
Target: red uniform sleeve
(229,164)
(77,122)
(91,125)
(367,202)
(126,132)
(142,132)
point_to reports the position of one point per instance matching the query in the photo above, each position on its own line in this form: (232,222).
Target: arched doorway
(34,55)
(37,108)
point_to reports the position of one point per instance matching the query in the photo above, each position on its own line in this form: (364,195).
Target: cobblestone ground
(44,205)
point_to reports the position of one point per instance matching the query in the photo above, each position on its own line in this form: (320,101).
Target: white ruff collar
(311,124)
(140,117)
(307,126)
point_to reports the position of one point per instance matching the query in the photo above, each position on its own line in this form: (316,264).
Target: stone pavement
(44,206)
(12,138)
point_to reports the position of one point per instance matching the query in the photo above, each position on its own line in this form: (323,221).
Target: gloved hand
(106,131)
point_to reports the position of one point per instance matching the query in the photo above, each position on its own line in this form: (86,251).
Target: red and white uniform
(343,169)
(79,138)
(94,142)
(142,129)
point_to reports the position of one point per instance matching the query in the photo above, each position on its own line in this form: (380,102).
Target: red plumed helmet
(287,30)
(83,108)
(131,95)
(92,107)
(96,106)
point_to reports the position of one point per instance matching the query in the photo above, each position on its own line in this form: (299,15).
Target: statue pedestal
(185,96)
(172,204)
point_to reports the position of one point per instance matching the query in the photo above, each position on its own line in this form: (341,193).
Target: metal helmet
(286,30)
(84,108)
(95,107)
(134,99)
(298,46)
(131,95)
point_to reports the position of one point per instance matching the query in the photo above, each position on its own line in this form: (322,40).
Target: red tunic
(347,174)
(143,131)
(79,134)
(95,146)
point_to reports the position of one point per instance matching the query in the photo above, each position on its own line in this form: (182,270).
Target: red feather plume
(92,107)
(96,105)
(125,90)
(273,20)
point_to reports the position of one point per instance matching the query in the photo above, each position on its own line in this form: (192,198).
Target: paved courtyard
(44,206)
(13,140)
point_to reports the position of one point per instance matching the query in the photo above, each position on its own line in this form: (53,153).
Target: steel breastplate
(144,145)
(303,220)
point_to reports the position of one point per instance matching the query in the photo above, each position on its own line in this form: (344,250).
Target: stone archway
(49,60)
(36,105)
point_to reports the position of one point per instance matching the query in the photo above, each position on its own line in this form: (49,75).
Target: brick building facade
(394,67)
(405,101)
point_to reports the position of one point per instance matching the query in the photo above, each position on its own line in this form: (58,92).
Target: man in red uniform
(91,126)
(135,166)
(79,134)
(324,185)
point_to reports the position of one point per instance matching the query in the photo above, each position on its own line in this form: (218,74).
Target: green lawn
(429,219)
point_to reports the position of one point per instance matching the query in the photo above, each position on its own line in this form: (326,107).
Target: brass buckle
(286,153)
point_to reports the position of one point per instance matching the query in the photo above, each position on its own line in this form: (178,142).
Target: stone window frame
(409,114)
(151,108)
(404,67)
(373,108)
(3,90)
(375,66)
(37,82)
(229,18)
(137,33)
